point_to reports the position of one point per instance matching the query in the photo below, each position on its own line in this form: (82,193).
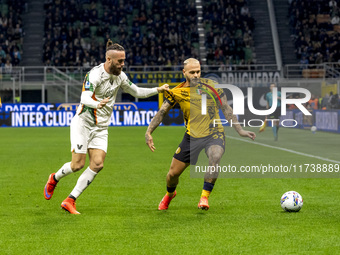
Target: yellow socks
(170,194)
(205,193)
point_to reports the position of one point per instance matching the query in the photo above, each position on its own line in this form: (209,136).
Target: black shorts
(190,147)
(276,114)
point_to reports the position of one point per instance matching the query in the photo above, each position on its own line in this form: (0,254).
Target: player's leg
(276,123)
(97,158)
(79,136)
(278,113)
(97,148)
(176,169)
(272,120)
(180,161)
(214,150)
(77,163)
(276,129)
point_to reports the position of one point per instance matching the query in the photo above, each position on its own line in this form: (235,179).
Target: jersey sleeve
(90,82)
(89,86)
(170,98)
(134,90)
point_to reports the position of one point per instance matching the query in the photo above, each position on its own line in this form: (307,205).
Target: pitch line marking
(284,149)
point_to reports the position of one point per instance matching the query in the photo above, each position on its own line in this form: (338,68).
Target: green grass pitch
(119,209)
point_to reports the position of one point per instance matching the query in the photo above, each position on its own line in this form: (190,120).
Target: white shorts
(85,136)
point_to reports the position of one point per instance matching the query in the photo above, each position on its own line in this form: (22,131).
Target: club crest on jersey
(87,85)
(199,91)
(184,93)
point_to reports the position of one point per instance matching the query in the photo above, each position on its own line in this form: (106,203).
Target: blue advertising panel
(324,120)
(60,115)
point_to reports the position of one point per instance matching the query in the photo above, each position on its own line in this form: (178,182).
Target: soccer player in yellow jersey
(201,132)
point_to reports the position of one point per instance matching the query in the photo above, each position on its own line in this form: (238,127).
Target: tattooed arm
(155,123)
(231,118)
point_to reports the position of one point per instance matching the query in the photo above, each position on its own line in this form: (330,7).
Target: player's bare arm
(155,123)
(228,113)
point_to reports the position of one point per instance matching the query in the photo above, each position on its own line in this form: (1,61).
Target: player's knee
(77,166)
(214,159)
(173,174)
(97,166)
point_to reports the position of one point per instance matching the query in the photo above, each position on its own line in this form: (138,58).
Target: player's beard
(115,71)
(193,81)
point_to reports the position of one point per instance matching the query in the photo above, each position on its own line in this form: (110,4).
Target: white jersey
(98,85)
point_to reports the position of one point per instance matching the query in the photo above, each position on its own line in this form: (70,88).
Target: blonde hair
(190,60)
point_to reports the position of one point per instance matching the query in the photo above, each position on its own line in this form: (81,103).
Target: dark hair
(113,46)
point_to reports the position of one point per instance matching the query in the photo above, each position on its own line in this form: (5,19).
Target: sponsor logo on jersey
(184,93)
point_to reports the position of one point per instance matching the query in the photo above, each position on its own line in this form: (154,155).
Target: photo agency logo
(239,103)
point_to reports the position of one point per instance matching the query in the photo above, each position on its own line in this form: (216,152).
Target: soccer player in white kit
(89,126)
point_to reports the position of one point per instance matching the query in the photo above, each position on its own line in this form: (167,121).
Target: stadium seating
(11,34)
(228,26)
(315,32)
(153,32)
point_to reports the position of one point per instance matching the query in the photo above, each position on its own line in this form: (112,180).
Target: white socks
(84,179)
(65,170)
(83,182)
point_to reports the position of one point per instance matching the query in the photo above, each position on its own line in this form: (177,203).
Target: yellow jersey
(190,102)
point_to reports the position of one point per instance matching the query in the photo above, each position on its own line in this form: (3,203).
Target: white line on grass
(284,149)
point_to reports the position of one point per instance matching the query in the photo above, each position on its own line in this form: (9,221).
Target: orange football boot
(203,204)
(69,205)
(49,187)
(164,204)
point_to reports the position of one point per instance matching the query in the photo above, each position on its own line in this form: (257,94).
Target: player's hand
(149,142)
(103,103)
(163,88)
(249,134)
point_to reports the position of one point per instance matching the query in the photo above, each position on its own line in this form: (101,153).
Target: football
(313,129)
(291,201)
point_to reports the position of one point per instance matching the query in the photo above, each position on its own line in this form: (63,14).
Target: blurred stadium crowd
(165,32)
(229,27)
(153,32)
(329,101)
(156,32)
(315,30)
(11,33)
